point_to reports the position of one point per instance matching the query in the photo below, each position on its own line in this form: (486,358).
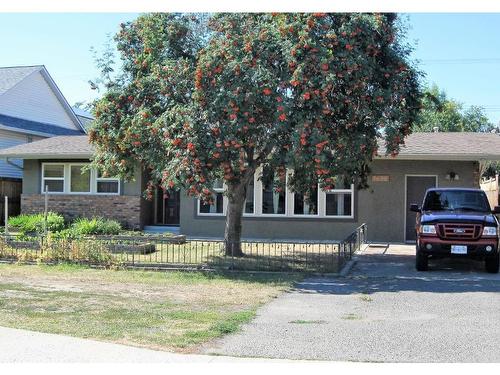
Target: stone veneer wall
(123,208)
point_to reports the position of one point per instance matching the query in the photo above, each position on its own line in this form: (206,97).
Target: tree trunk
(232,232)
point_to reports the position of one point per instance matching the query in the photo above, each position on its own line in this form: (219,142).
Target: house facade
(31,108)
(427,160)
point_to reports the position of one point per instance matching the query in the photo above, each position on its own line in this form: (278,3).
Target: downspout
(13,164)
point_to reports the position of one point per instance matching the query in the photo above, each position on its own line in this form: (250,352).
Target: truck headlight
(428,229)
(489,231)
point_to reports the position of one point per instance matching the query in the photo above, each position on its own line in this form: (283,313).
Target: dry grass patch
(168,311)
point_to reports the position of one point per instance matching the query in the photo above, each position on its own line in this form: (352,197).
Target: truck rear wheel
(492,264)
(421,261)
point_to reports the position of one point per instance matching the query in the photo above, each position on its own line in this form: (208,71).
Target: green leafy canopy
(206,98)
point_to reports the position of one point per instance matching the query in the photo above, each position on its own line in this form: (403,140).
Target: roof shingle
(61,147)
(449,146)
(418,146)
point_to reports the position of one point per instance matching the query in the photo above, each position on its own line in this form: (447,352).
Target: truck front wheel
(492,263)
(421,261)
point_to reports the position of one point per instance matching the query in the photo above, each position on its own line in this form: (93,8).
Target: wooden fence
(11,188)
(491,188)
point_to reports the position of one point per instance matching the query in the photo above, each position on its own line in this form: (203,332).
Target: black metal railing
(163,252)
(351,244)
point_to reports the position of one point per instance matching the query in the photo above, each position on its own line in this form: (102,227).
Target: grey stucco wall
(381,207)
(31,177)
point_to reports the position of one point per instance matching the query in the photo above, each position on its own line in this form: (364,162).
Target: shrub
(95,226)
(35,222)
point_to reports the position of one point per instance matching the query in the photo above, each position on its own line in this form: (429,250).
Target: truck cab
(456,222)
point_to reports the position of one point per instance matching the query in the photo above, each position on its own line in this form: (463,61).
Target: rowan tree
(306,93)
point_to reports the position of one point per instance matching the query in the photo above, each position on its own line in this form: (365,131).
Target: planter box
(28,245)
(141,248)
(178,239)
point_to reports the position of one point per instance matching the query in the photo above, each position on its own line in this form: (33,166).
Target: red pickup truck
(455,222)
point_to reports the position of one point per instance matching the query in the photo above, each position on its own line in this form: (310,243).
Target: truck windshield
(454,200)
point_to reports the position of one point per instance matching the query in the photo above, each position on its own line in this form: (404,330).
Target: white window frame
(106,179)
(289,203)
(224,203)
(292,209)
(67,180)
(338,192)
(63,178)
(71,165)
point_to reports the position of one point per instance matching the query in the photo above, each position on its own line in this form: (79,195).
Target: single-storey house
(426,160)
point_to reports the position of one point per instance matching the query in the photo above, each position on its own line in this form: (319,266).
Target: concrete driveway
(382,311)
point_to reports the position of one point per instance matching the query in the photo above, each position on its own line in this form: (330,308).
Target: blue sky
(62,41)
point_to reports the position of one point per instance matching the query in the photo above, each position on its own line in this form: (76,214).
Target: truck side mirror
(496,210)
(414,207)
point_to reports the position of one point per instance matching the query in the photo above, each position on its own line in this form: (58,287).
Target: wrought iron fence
(163,252)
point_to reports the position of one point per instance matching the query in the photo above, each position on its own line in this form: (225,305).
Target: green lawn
(169,311)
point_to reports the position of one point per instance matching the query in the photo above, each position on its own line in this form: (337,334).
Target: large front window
(267,196)
(75,178)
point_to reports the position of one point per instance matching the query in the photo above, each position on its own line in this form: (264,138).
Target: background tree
(306,92)
(449,115)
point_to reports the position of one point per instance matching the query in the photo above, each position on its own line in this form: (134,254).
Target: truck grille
(459,231)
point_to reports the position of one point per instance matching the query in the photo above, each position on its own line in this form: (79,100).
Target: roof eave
(46,156)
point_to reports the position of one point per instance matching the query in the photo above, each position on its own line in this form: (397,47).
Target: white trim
(67,180)
(105,179)
(343,192)
(224,203)
(43,178)
(405,210)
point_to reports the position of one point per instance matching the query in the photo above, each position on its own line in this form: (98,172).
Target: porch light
(452,176)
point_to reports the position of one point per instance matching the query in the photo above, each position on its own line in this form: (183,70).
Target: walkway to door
(383,311)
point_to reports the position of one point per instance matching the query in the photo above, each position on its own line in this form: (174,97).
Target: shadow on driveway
(392,269)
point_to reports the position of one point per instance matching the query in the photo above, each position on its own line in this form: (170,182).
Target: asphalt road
(383,311)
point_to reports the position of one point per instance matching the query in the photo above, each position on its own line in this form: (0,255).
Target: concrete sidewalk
(18,345)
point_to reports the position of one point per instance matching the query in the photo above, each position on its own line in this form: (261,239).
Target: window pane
(54,186)
(216,208)
(53,170)
(249,203)
(80,183)
(303,207)
(272,202)
(107,187)
(338,204)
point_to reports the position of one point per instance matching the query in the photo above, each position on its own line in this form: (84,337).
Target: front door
(167,207)
(415,191)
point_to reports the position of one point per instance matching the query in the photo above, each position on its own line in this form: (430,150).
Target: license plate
(458,249)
